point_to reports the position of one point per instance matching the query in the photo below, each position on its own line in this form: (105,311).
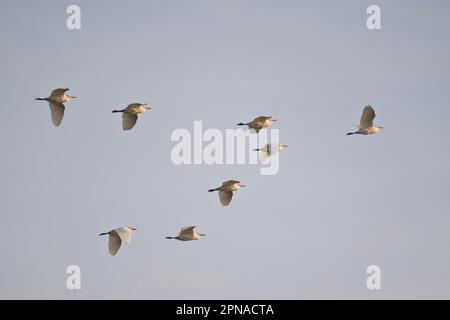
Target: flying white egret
(269,150)
(366,125)
(56,100)
(226,191)
(188,234)
(258,123)
(130,114)
(116,237)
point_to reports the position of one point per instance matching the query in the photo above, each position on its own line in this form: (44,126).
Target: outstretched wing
(256,125)
(188,231)
(254,130)
(225,197)
(57,109)
(59,92)
(264,157)
(114,243)
(128,120)
(367,117)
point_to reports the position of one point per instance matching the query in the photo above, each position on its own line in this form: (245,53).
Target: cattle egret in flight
(116,237)
(258,123)
(366,125)
(269,150)
(56,100)
(188,234)
(130,114)
(226,191)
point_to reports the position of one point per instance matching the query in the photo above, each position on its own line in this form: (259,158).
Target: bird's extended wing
(367,117)
(254,130)
(57,110)
(128,120)
(59,92)
(256,124)
(225,197)
(189,231)
(264,157)
(114,243)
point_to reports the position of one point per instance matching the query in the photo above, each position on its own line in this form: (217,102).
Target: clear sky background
(337,205)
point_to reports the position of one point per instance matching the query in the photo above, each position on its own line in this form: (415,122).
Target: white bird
(188,234)
(56,100)
(226,191)
(130,114)
(366,125)
(116,237)
(269,150)
(258,123)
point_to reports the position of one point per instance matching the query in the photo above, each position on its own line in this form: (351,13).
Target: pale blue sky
(338,204)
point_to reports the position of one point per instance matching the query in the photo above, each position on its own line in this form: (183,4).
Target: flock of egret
(130,114)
